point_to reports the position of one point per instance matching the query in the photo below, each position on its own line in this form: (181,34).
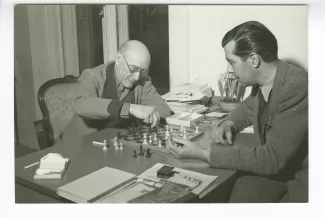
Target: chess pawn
(150,139)
(121,146)
(145,142)
(196,129)
(159,144)
(148,154)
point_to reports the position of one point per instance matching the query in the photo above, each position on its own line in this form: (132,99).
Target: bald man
(109,94)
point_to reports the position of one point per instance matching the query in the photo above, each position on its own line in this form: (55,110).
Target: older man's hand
(188,149)
(146,113)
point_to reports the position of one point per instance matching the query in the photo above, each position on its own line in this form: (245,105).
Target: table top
(84,158)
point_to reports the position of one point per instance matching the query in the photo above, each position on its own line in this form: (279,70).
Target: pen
(31,165)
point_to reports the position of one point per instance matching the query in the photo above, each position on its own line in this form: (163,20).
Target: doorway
(149,24)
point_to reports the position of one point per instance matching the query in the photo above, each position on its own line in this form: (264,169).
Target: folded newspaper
(198,183)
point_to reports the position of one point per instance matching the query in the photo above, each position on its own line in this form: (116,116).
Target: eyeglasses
(133,71)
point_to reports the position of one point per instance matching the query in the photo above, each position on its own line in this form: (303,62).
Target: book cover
(96,185)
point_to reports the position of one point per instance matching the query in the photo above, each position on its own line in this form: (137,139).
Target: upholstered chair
(55,99)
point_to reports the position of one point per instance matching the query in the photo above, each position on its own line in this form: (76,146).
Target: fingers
(180,140)
(173,148)
(229,137)
(220,136)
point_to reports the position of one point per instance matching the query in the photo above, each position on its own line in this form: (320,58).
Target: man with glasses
(109,94)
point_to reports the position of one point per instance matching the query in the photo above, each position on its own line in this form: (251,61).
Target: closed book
(96,185)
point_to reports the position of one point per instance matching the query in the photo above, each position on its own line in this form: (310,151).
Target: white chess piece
(197,129)
(185,135)
(115,141)
(159,145)
(145,142)
(155,137)
(121,146)
(105,145)
(150,139)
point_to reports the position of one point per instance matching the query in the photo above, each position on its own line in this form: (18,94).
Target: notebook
(96,185)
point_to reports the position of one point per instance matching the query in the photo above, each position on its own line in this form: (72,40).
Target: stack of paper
(52,166)
(188,97)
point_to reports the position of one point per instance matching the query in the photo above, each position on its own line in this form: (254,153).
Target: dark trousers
(255,189)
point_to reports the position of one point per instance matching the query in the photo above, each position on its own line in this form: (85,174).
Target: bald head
(136,54)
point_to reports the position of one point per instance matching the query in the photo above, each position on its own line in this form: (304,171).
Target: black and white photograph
(151,103)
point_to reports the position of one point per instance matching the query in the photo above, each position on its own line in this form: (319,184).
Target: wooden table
(86,158)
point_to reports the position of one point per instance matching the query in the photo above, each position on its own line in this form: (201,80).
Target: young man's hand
(225,133)
(146,113)
(189,149)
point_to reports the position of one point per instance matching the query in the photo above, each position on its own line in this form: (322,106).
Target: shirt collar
(266,89)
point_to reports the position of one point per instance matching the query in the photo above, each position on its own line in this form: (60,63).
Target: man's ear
(255,59)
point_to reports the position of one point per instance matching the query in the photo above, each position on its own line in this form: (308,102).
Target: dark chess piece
(141,153)
(148,154)
(135,154)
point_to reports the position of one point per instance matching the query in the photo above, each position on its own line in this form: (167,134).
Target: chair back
(55,98)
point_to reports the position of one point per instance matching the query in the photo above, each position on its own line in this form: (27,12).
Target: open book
(96,185)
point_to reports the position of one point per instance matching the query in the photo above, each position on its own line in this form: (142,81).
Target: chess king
(109,94)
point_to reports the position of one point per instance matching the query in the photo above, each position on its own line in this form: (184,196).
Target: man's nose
(136,75)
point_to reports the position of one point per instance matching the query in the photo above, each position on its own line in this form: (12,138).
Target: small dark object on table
(165,172)
(135,154)
(148,154)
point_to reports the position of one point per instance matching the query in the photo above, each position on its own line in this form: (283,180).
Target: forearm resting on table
(98,108)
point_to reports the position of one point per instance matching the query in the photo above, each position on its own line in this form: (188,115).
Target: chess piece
(105,145)
(185,134)
(145,142)
(135,154)
(115,141)
(141,153)
(121,146)
(150,140)
(148,154)
(196,129)
(159,144)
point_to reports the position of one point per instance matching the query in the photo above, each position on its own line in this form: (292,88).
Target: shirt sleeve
(151,97)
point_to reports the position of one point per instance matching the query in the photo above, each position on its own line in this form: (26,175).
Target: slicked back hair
(252,36)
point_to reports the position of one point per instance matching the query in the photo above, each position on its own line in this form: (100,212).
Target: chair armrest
(44,133)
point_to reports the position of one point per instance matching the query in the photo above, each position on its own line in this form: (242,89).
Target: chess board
(134,136)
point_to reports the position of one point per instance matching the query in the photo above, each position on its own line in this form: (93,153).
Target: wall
(196,32)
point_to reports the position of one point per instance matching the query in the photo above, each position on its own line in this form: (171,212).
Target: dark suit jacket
(285,150)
